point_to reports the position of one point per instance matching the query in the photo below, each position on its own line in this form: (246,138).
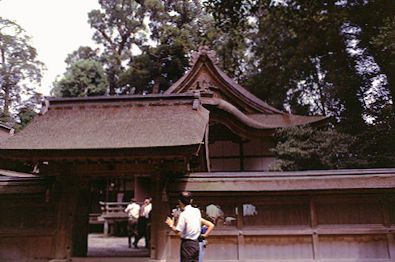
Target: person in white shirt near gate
(133,214)
(188,228)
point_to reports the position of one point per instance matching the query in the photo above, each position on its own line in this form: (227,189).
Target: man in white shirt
(188,227)
(143,224)
(147,207)
(133,215)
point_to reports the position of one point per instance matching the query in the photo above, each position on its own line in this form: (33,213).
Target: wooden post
(106,228)
(67,200)
(158,216)
(206,149)
(81,219)
(314,224)
(240,236)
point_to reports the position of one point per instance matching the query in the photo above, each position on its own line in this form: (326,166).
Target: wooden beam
(108,168)
(285,183)
(206,147)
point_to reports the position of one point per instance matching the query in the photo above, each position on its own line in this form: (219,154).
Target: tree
(323,57)
(118,26)
(154,70)
(174,30)
(27,111)
(82,53)
(315,56)
(19,68)
(305,148)
(165,32)
(377,23)
(86,77)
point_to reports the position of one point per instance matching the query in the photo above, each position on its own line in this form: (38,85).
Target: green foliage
(375,145)
(83,78)
(25,115)
(231,14)
(82,53)
(316,57)
(173,27)
(166,32)
(118,26)
(305,148)
(19,68)
(376,20)
(156,68)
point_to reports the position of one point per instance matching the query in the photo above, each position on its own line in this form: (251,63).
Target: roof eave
(36,155)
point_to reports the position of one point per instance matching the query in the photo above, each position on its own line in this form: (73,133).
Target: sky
(57,28)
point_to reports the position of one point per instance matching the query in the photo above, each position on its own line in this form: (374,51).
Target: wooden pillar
(67,200)
(159,245)
(314,224)
(240,236)
(142,188)
(106,228)
(81,220)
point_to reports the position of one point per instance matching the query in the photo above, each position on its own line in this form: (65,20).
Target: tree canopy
(20,70)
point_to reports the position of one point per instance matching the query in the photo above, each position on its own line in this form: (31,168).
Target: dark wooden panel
(349,213)
(276,214)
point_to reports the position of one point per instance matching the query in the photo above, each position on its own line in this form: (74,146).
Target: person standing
(188,227)
(133,214)
(143,223)
(205,230)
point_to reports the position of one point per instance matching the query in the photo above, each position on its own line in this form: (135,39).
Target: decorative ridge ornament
(204,51)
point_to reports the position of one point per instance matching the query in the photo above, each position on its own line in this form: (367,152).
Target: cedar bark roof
(127,122)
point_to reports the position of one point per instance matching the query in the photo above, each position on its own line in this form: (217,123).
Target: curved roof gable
(205,76)
(222,95)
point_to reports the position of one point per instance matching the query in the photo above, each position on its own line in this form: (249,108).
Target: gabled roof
(206,76)
(220,92)
(106,123)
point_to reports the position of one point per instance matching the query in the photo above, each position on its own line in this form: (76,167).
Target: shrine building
(205,134)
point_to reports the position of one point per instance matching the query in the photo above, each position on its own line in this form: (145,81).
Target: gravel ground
(100,246)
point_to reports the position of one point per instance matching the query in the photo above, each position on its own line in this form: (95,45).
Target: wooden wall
(251,155)
(300,227)
(40,225)
(27,227)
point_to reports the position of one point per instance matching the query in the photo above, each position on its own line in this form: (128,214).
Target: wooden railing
(112,213)
(113,207)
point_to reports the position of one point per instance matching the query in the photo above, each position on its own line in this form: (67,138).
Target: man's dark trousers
(189,251)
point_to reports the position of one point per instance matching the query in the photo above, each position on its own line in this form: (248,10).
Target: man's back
(189,223)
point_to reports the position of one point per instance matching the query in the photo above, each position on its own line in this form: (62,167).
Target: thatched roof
(127,122)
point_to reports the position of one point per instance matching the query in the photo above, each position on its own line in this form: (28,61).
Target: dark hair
(185,197)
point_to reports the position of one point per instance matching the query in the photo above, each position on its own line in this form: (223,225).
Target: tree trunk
(7,102)
(112,83)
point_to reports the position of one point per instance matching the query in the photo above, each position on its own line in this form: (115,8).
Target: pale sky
(57,28)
